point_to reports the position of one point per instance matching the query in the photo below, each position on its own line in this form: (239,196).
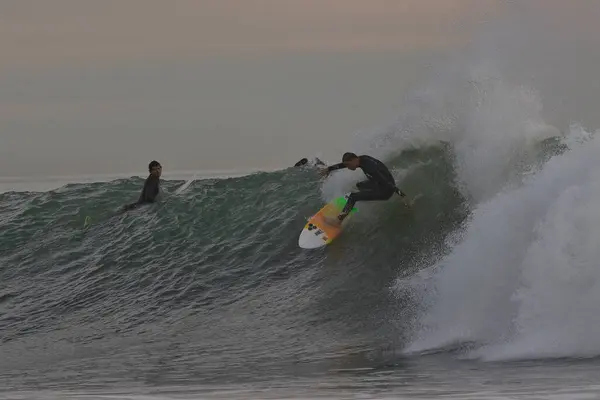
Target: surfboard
(317,232)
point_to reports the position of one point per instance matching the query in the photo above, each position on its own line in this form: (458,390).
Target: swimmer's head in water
(155,168)
(350,161)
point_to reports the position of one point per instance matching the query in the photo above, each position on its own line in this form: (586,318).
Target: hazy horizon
(209,85)
(105,87)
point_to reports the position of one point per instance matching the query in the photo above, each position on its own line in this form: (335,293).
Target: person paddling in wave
(151,186)
(380,184)
(305,162)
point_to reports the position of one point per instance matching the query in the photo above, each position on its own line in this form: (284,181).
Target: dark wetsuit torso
(380,185)
(149,192)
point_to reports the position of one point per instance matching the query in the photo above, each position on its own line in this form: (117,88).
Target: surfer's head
(155,168)
(350,161)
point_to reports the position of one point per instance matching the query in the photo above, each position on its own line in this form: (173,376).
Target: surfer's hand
(324,171)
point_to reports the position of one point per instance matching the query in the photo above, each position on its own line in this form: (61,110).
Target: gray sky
(106,86)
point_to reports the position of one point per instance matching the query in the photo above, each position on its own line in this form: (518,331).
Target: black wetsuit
(380,185)
(149,192)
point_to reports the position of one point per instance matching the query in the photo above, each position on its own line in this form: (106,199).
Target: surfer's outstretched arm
(327,170)
(336,166)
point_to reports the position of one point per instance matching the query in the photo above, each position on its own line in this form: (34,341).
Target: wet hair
(153,164)
(301,162)
(348,157)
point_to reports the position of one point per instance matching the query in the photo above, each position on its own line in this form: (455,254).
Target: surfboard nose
(308,240)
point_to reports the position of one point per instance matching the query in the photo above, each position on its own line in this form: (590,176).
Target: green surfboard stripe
(340,202)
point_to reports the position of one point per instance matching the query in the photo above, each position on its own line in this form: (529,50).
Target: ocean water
(206,294)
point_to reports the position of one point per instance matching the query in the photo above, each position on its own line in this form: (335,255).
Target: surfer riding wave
(380,184)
